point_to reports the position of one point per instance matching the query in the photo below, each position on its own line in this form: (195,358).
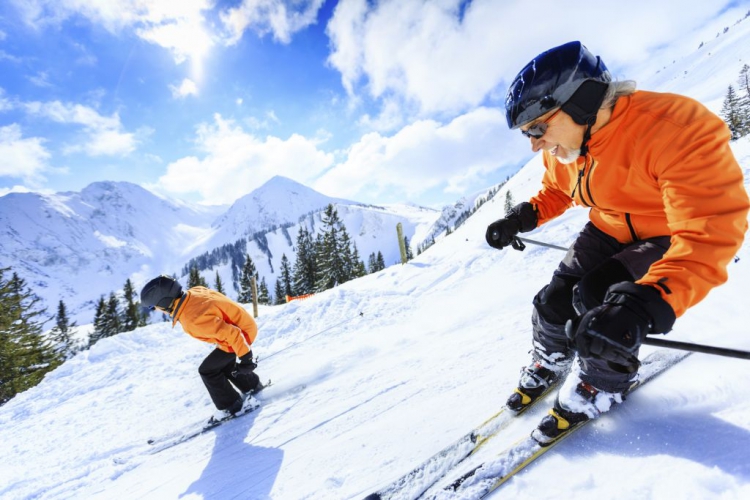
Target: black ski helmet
(160,291)
(555,79)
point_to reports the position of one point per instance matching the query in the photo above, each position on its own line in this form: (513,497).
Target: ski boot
(536,380)
(242,405)
(576,403)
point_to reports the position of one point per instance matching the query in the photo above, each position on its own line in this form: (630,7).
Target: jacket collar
(178,308)
(601,138)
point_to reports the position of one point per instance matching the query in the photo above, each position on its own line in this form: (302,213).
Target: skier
(667,213)
(212,317)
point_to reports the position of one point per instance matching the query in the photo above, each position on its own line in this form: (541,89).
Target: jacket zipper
(631,228)
(587,184)
(587,189)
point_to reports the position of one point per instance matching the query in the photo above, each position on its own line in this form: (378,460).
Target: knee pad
(590,291)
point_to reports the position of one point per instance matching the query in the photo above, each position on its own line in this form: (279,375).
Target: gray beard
(570,157)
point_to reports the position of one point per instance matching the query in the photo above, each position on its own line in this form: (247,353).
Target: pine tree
(60,333)
(333,255)
(509,203)
(305,268)
(380,261)
(372,263)
(348,257)
(409,253)
(99,321)
(246,288)
(286,281)
(744,99)
(279,293)
(732,114)
(195,278)
(218,284)
(358,267)
(112,316)
(131,317)
(25,356)
(263,297)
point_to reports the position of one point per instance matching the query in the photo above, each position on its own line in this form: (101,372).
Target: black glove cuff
(247,358)
(526,215)
(645,300)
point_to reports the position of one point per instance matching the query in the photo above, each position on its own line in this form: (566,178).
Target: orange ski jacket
(661,166)
(212,317)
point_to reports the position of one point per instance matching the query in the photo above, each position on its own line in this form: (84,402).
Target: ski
(488,476)
(166,442)
(412,484)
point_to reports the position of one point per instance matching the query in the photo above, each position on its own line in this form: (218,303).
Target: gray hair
(615,90)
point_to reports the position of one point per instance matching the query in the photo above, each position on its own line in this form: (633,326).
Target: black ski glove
(615,330)
(244,365)
(521,218)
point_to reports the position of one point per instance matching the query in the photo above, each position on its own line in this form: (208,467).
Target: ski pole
(518,243)
(540,243)
(706,349)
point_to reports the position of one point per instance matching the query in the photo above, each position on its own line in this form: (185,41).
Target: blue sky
(376,101)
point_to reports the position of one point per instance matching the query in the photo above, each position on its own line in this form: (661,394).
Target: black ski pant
(216,372)
(593,263)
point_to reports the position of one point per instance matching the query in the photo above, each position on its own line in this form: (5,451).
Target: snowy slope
(436,350)
(706,73)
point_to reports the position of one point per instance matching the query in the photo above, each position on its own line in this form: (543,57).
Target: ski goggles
(539,129)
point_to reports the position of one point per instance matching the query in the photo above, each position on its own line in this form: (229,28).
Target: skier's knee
(590,291)
(554,303)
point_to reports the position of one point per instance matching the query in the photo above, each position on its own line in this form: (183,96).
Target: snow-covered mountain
(371,228)
(278,201)
(76,247)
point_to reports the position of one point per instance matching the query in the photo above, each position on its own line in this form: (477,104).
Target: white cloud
(186,88)
(175,25)
(104,134)
(449,56)
(4,56)
(425,155)
(265,123)
(281,18)
(16,189)
(185,38)
(24,158)
(41,79)
(236,162)
(5,104)
(180,26)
